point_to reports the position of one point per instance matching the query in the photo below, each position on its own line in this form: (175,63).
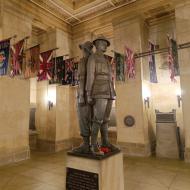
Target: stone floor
(46,172)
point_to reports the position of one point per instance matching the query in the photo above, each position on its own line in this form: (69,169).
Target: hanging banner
(75,80)
(173,59)
(64,72)
(129,63)
(17,58)
(31,65)
(46,64)
(4,56)
(69,64)
(152,64)
(120,71)
(58,74)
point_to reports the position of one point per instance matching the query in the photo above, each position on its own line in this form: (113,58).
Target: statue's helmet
(87,46)
(101,38)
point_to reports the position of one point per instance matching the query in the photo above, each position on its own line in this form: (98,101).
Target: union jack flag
(17,58)
(172,59)
(45,72)
(130,63)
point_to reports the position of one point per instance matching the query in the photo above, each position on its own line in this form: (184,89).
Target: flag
(35,53)
(119,61)
(46,63)
(75,80)
(17,58)
(152,64)
(31,65)
(129,63)
(173,58)
(58,74)
(4,56)
(69,64)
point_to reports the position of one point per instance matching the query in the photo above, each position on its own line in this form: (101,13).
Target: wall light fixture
(147,102)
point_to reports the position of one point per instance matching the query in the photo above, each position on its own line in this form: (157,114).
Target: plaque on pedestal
(80,179)
(84,173)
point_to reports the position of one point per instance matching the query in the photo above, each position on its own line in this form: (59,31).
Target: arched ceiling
(77,11)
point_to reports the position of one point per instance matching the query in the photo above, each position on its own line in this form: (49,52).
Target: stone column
(57,127)
(129,101)
(67,127)
(14,117)
(182,13)
(45,117)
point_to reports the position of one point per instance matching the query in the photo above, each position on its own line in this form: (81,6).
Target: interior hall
(41,48)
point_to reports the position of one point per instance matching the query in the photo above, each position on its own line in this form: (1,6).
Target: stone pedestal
(88,173)
(166,140)
(33,135)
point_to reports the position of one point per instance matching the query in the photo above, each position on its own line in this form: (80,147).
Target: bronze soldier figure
(84,109)
(100,93)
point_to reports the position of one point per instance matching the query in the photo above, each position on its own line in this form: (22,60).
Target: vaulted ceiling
(76,11)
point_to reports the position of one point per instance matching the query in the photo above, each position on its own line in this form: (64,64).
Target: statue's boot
(105,139)
(94,136)
(84,147)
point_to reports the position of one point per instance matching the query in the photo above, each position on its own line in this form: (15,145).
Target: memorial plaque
(81,180)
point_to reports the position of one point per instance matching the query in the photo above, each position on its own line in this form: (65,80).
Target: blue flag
(4,56)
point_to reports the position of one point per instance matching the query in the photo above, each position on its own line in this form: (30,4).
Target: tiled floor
(46,172)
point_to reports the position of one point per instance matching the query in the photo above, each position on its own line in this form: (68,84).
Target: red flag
(32,62)
(46,63)
(130,63)
(17,58)
(34,53)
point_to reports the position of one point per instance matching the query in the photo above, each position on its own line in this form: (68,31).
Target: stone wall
(163,95)
(14,117)
(182,14)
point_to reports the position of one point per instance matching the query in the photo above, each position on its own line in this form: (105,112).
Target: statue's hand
(90,100)
(81,100)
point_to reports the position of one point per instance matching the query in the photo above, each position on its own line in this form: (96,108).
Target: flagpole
(31,47)
(50,50)
(157,51)
(12,37)
(27,37)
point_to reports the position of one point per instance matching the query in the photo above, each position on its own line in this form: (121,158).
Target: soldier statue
(84,109)
(100,94)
